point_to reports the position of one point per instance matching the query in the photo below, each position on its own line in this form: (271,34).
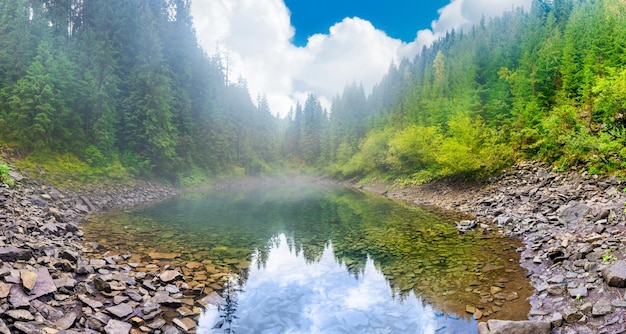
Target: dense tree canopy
(542,84)
(126,81)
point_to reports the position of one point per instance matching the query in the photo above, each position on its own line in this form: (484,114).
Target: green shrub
(5,177)
(94,157)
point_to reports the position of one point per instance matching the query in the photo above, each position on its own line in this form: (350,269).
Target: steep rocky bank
(51,282)
(573,226)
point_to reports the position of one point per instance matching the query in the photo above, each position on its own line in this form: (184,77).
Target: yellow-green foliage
(371,156)
(414,148)
(67,170)
(460,151)
(417,154)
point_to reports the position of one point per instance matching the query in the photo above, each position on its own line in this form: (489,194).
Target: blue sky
(287,49)
(398,18)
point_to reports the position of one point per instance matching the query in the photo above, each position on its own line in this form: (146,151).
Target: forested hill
(545,84)
(125,83)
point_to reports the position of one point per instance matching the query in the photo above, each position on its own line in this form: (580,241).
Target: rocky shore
(52,282)
(573,226)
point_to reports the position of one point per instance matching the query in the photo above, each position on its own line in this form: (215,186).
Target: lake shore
(52,281)
(573,227)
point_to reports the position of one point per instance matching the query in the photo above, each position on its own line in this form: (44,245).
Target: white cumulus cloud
(257,36)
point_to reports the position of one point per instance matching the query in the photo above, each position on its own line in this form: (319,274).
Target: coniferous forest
(125,84)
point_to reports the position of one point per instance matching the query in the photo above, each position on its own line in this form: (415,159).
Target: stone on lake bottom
(184,311)
(44,285)
(514,327)
(28,328)
(213,298)
(170,330)
(170,275)
(619,303)
(163,256)
(157,324)
(186,324)
(161,298)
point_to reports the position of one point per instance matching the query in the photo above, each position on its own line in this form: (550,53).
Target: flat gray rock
(579,292)
(602,307)
(4,329)
(20,315)
(94,304)
(573,212)
(66,322)
(121,310)
(45,284)
(615,274)
(17,297)
(117,327)
(28,328)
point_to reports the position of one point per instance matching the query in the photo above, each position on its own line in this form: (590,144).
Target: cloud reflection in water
(289,294)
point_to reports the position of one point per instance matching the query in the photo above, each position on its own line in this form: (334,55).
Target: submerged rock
(514,327)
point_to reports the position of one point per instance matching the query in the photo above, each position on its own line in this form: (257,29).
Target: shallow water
(315,258)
